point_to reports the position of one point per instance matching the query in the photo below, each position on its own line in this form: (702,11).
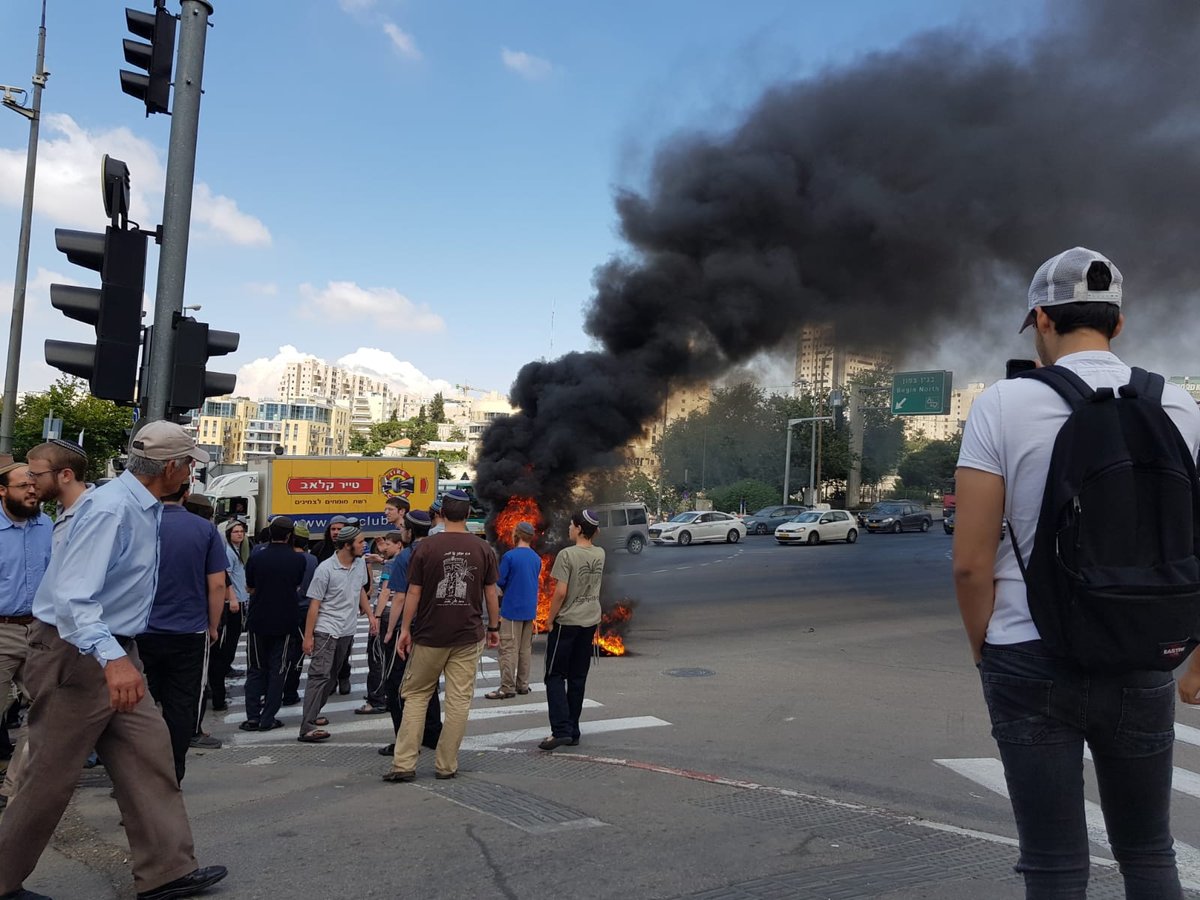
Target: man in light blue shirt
(86,679)
(25,537)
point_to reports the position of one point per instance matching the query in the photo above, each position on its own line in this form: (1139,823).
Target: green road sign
(921,393)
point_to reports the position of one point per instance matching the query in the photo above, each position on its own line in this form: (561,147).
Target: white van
(623,525)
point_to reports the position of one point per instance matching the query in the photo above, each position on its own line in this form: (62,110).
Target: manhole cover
(689,673)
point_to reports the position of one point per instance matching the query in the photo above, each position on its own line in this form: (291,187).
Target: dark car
(948,524)
(896,516)
(767,519)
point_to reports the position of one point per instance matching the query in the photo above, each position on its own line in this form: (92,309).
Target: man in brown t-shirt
(441,632)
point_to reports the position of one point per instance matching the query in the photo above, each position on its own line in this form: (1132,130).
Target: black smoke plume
(902,198)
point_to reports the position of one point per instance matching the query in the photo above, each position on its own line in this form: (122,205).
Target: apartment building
(642,453)
(245,429)
(823,364)
(943,428)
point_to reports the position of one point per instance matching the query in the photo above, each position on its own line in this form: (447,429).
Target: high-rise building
(316,379)
(643,453)
(244,429)
(823,364)
(943,428)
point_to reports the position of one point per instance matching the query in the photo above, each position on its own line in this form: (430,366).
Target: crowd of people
(121,616)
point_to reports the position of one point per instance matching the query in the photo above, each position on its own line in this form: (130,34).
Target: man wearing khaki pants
(520,571)
(441,634)
(86,680)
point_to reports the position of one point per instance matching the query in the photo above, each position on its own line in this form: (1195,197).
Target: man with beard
(322,552)
(85,676)
(26,535)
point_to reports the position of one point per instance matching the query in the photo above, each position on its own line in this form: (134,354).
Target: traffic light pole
(177,203)
(34,113)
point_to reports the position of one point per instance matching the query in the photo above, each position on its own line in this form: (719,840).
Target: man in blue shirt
(85,676)
(520,572)
(25,539)
(184,619)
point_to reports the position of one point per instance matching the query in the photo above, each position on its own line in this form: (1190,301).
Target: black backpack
(1114,577)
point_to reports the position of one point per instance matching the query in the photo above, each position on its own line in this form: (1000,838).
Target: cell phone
(1015,367)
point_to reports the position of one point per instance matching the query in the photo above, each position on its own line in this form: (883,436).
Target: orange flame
(525,509)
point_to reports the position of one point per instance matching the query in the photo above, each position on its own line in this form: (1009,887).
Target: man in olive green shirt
(574,615)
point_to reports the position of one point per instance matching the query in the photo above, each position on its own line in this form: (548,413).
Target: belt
(16,620)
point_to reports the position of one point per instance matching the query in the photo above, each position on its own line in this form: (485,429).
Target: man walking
(337,593)
(26,535)
(295,658)
(273,576)
(184,619)
(388,547)
(86,680)
(450,576)
(416,529)
(1043,702)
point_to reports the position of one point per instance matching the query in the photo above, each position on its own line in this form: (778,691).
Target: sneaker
(205,742)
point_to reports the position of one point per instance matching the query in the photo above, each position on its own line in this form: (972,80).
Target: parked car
(896,516)
(698,528)
(818,525)
(948,524)
(767,519)
(623,526)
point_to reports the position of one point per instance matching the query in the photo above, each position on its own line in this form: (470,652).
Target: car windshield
(889,509)
(685,517)
(767,511)
(807,517)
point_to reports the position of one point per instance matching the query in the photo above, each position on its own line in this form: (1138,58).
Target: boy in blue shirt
(520,570)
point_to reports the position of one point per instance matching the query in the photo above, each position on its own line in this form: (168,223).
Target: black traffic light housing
(191,382)
(156,57)
(115,309)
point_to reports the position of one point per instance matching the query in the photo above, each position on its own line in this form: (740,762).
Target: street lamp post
(34,114)
(787,456)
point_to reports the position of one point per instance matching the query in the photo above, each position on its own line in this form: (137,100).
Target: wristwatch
(495,630)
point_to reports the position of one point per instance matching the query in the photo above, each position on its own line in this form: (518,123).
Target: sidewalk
(291,819)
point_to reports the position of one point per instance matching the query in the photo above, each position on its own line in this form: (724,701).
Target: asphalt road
(799,722)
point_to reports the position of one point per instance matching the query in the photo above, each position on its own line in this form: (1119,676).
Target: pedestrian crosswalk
(988,773)
(491,722)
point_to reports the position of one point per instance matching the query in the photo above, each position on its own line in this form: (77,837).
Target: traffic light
(158,28)
(191,382)
(115,309)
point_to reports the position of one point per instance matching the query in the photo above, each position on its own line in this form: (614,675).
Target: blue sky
(413,187)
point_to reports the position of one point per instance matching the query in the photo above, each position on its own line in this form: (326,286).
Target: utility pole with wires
(33,113)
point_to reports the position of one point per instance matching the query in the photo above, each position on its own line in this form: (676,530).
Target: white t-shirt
(339,588)
(1010,432)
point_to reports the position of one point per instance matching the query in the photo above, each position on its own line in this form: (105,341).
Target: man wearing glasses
(25,538)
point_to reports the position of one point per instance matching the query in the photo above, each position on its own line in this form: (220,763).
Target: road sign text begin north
(921,393)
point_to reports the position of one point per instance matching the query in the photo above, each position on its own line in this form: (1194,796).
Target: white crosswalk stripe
(484,716)
(988,772)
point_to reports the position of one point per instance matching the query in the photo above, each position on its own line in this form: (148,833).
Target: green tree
(102,422)
(929,465)
(755,495)
(456,434)
(437,409)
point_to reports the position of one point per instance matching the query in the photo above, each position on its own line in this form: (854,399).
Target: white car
(818,525)
(698,528)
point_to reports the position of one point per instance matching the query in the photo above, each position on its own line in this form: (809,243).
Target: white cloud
(259,380)
(402,41)
(68,179)
(525,64)
(349,303)
(356,6)
(403,376)
(224,219)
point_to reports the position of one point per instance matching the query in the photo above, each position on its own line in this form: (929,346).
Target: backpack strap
(1144,385)
(1065,383)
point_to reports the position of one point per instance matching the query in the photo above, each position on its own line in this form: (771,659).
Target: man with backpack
(1077,619)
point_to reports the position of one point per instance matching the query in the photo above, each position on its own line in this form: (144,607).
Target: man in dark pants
(388,547)
(416,528)
(295,655)
(183,619)
(273,575)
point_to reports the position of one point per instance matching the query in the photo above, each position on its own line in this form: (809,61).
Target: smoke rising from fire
(900,198)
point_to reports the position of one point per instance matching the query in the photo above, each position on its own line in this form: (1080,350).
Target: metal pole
(857,427)
(9,414)
(177,201)
(812,468)
(787,464)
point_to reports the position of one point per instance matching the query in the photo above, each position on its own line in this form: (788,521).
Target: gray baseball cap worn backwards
(165,440)
(1078,275)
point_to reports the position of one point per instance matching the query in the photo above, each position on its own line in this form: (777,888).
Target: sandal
(368,709)
(321,720)
(249,725)
(522,691)
(498,695)
(270,726)
(314,737)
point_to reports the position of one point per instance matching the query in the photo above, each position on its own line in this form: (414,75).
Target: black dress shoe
(236,673)
(22,894)
(389,750)
(193,883)
(553,743)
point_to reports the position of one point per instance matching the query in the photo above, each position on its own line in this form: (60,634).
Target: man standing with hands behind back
(86,680)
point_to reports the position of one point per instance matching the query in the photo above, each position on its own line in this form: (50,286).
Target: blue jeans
(1042,710)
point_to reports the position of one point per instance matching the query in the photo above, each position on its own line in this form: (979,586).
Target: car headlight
(887,520)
